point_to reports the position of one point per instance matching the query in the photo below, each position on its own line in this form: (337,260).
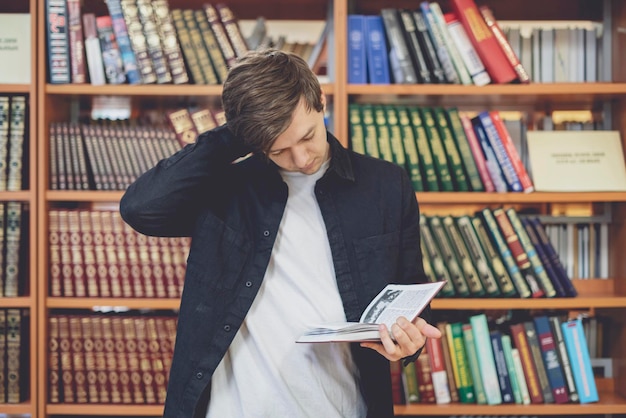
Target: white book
(536,43)
(15,48)
(547,53)
(394,301)
(570,248)
(561,55)
(470,57)
(486,359)
(521,379)
(604,251)
(591,54)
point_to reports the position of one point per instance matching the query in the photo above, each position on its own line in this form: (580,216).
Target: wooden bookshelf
(56,103)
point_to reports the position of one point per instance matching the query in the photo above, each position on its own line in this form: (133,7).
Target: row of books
(105,156)
(140,42)
(13,141)
(13,249)
(109,359)
(94,253)
(14,364)
(557,52)
(582,248)
(463,46)
(543,359)
(442,149)
(495,253)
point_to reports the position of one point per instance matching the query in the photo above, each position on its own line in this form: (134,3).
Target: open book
(394,301)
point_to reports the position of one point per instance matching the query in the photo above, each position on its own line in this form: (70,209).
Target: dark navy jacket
(232,212)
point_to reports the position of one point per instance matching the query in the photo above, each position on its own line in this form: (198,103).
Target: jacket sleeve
(166,200)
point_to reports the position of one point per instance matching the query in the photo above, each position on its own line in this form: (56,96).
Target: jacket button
(199,375)
(227,328)
(248,284)
(266,233)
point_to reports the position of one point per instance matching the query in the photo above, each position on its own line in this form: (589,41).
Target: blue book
(578,354)
(123,42)
(502,157)
(57,42)
(376,48)
(486,359)
(357,64)
(504,379)
(495,172)
(547,343)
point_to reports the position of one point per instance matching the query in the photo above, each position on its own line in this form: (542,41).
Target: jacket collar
(340,162)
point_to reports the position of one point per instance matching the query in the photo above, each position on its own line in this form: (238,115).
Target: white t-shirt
(265,373)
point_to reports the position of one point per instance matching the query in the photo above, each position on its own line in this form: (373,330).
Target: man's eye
(276,153)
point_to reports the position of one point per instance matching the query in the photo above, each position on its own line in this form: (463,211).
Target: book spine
(67,374)
(555,326)
(462,255)
(438,151)
(528,247)
(550,357)
(220,34)
(477,152)
(517,250)
(454,394)
(474,365)
(434,258)
(5,111)
(78,359)
(153,42)
(438,371)
(92,51)
(578,352)
(76,46)
(357,134)
(195,36)
(395,136)
(519,371)
(504,378)
(382,134)
(54,253)
(518,333)
(357,65)
(369,127)
(410,148)
(452,151)
(138,42)
(212,46)
(431,182)
(511,152)
(486,359)
(16,344)
(13,236)
(470,57)
(514,61)
(231,26)
(426,44)
(484,41)
(186,45)
(465,153)
(376,49)
(422,70)
(462,374)
(3,358)
(90,360)
(129,60)
(399,58)
(535,349)
(502,158)
(183,125)
(76,255)
(122,358)
(171,47)
(543,258)
(54,362)
(507,350)
(506,255)
(423,373)
(111,55)
(438,42)
(461,286)
(17,140)
(58,42)
(493,258)
(203,120)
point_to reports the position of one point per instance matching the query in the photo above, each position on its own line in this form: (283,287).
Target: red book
(424,377)
(522,75)
(484,41)
(477,153)
(507,141)
(438,370)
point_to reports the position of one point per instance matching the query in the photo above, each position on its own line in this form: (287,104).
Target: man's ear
(323,100)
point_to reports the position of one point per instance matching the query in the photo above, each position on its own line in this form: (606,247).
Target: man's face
(302,147)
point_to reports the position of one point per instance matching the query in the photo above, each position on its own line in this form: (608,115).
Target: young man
(302,231)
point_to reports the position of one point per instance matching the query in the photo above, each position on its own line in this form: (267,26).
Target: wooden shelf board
(541,303)
(109,409)
(567,90)
(17,409)
(18,302)
(15,88)
(84,196)
(534,197)
(145,89)
(609,404)
(22,195)
(131,303)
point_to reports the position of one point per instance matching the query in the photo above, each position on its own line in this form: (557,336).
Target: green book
(494,261)
(382,131)
(409,380)
(486,359)
(472,361)
(369,128)
(431,182)
(457,278)
(463,257)
(477,255)
(452,152)
(357,135)
(432,256)
(531,252)
(507,347)
(438,151)
(395,136)
(458,133)
(505,253)
(458,355)
(410,148)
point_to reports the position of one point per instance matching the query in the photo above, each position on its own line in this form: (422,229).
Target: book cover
(465,152)
(399,59)
(477,153)
(357,66)
(438,151)
(443,53)
(131,68)
(376,48)
(578,352)
(564,360)
(507,350)
(577,161)
(458,355)
(491,161)
(428,48)
(435,260)
(468,53)
(461,286)
(486,359)
(413,157)
(551,360)
(431,180)
(58,49)
(473,364)
(409,29)
(454,394)
(504,378)
(15,46)
(392,302)
(455,163)
(518,334)
(111,56)
(461,252)
(535,351)
(171,47)
(439,377)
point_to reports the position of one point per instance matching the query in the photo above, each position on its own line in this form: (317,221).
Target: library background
(509,117)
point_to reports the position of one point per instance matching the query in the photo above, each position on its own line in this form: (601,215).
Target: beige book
(577,161)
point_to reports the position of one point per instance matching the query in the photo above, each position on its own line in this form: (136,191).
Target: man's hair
(261,92)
